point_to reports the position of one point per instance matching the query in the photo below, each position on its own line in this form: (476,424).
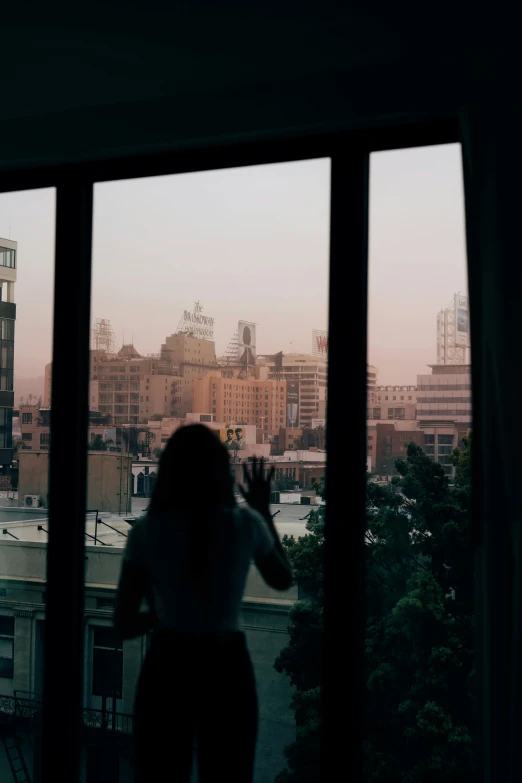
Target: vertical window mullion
(63,659)
(345,513)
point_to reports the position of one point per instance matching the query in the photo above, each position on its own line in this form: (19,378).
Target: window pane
(26,294)
(223,325)
(419,665)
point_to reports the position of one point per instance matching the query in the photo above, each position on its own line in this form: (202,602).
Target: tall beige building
(195,358)
(247,401)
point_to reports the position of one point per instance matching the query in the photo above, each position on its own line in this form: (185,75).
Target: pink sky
(253,244)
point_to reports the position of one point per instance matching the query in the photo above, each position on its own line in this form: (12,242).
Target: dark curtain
(491,149)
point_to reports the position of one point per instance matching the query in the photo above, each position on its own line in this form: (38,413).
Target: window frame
(349,152)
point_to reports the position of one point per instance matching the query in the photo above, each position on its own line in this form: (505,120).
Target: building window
(8,257)
(445,449)
(45,437)
(7,646)
(146,399)
(27,418)
(27,435)
(107,662)
(429,439)
(445,439)
(429,450)
(390,413)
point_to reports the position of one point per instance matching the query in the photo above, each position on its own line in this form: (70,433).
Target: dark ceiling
(127,78)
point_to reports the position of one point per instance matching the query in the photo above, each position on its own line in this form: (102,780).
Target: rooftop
(31,525)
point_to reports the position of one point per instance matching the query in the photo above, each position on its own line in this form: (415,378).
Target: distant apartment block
(392,402)
(129,387)
(8,266)
(261,403)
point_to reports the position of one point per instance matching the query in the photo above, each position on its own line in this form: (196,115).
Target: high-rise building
(195,357)
(306,381)
(8,264)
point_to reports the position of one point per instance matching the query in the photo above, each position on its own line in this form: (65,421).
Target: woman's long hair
(194,476)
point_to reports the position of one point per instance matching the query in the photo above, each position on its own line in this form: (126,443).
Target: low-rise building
(392,402)
(287,439)
(108,480)
(35,427)
(112,666)
(391,439)
(387,441)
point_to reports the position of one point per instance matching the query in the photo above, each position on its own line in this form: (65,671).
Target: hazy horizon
(252,244)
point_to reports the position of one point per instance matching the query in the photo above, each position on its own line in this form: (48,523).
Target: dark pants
(196,690)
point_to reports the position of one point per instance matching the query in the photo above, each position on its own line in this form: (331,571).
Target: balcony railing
(25,711)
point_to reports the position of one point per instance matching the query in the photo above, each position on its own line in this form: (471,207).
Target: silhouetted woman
(188,559)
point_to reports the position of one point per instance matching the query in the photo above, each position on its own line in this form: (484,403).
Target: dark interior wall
(120,80)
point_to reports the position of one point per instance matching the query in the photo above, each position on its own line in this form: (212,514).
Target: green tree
(285,483)
(98,444)
(419,625)
(418,671)
(320,432)
(19,446)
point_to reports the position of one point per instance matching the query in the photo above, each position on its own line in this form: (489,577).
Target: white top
(159,544)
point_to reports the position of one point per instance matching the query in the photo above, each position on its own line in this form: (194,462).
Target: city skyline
(253,244)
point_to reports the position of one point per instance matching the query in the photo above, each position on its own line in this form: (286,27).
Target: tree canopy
(418,655)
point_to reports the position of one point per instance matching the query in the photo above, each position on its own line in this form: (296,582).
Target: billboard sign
(319,343)
(233,438)
(246,343)
(461,321)
(196,324)
(292,403)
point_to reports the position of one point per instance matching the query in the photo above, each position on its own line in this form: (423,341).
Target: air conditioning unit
(31,501)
